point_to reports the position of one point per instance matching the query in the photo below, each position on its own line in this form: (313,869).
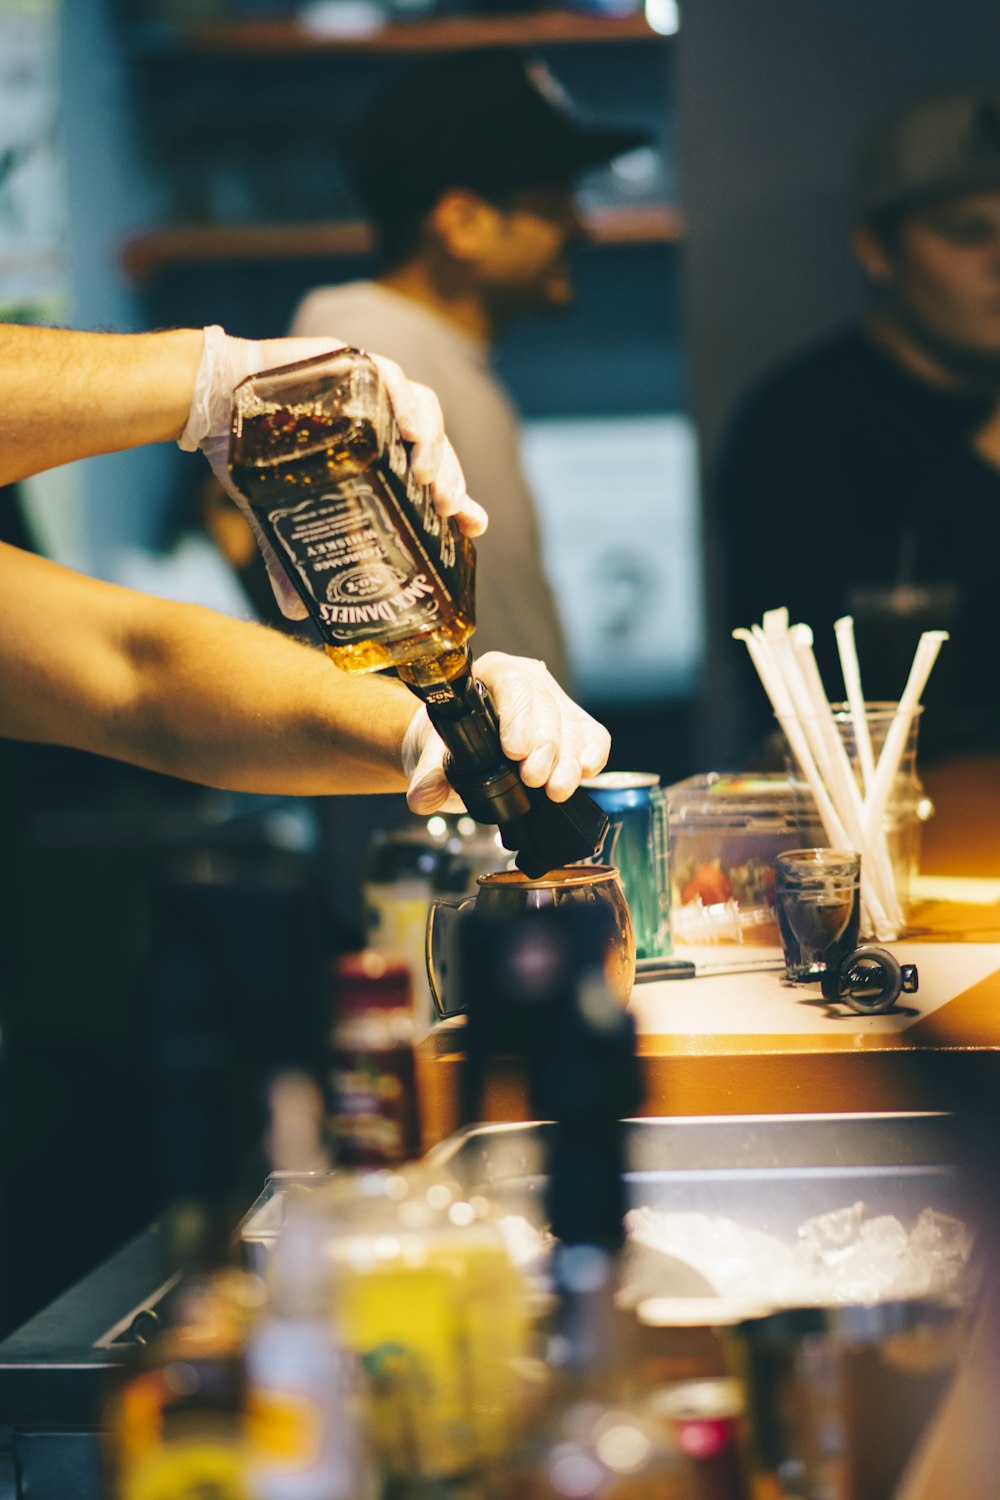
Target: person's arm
(66,395)
(179,689)
(182,690)
(70,395)
(986,442)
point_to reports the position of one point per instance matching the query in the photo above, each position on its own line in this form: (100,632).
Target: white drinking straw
(776,690)
(769,654)
(812,705)
(775,621)
(876,868)
(780,639)
(762,654)
(848,652)
(895,741)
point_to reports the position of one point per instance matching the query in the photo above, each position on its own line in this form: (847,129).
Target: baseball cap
(494,121)
(930,145)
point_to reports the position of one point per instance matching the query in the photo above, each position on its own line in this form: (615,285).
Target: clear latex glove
(225,361)
(555,741)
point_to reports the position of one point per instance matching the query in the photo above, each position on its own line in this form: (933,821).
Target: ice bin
(768,1172)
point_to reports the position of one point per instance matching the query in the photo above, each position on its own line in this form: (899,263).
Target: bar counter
(748,1044)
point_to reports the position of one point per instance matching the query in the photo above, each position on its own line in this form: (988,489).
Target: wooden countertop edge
(969,1022)
(871,1081)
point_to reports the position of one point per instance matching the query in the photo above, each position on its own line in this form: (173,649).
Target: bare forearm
(986,442)
(69,395)
(241,706)
(179,689)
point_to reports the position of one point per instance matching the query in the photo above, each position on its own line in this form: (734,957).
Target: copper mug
(508,894)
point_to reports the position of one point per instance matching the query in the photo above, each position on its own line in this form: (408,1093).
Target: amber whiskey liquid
(317,453)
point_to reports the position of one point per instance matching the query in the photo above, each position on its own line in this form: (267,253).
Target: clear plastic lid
(732,800)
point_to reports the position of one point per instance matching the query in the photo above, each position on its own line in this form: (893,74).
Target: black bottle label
(348,561)
(317,454)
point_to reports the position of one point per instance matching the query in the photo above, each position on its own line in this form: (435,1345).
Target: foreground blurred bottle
(595,1433)
(317,454)
(304,1429)
(395,1315)
(175,1421)
(374,1107)
(427,1297)
(591,1439)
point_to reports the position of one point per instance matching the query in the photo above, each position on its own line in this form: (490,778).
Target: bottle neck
(443,682)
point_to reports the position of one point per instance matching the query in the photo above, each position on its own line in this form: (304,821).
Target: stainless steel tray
(766,1172)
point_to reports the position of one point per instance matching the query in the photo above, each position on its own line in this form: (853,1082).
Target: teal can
(637,845)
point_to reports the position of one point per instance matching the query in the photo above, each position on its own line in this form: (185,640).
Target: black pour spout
(541,833)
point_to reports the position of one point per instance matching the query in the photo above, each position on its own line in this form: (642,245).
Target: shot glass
(818,893)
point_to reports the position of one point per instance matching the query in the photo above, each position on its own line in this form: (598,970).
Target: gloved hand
(556,743)
(226,361)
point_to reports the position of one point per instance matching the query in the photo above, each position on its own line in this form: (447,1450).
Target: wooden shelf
(147,255)
(289,38)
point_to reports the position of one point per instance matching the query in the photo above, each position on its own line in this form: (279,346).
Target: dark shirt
(842,477)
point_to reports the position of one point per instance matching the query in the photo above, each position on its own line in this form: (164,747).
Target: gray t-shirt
(515,608)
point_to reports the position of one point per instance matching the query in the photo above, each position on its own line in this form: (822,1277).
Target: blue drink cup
(636,844)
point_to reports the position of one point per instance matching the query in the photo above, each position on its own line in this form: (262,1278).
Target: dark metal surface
(54,1371)
(53,1368)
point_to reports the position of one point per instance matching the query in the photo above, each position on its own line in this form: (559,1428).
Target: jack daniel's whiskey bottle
(316,451)
(317,454)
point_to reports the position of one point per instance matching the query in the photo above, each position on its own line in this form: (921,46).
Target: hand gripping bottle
(316,453)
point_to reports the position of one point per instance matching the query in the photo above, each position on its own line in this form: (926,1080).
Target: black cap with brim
(494,122)
(939,143)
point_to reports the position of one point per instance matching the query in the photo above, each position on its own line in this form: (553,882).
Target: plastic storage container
(725,831)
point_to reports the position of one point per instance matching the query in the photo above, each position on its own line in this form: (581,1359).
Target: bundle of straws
(853,814)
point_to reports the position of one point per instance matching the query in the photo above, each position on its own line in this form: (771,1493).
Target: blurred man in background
(862,475)
(465,168)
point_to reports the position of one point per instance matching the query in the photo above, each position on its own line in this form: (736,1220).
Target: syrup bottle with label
(375,1114)
(316,453)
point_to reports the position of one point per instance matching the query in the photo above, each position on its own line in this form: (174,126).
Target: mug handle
(435,969)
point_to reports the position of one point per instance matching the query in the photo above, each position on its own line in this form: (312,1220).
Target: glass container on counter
(725,832)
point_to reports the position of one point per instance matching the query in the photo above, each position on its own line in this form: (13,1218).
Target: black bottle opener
(870,981)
